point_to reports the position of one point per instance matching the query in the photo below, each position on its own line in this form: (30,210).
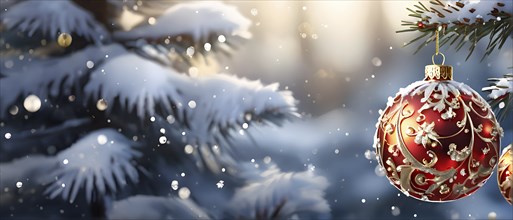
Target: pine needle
(499,31)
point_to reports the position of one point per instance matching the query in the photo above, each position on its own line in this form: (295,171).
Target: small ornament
(438,139)
(64,40)
(505,175)
(420,25)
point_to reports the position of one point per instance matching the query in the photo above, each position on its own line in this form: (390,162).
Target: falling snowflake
(395,210)
(162,140)
(220,184)
(102,139)
(174,185)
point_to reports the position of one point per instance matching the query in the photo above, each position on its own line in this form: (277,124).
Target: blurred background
(342,60)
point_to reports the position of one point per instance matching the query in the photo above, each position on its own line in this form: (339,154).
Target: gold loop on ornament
(433,58)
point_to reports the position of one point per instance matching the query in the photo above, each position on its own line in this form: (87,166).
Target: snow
(99,162)
(146,8)
(154,207)
(27,171)
(203,19)
(500,88)
(281,195)
(52,18)
(482,11)
(138,83)
(50,77)
(211,106)
(128,77)
(236,100)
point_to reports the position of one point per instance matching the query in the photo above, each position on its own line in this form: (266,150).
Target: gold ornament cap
(438,71)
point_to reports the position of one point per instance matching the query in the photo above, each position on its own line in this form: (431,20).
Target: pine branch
(52,18)
(136,85)
(100,162)
(462,23)
(225,105)
(154,207)
(28,170)
(273,194)
(145,8)
(209,27)
(501,95)
(29,140)
(48,78)
(206,107)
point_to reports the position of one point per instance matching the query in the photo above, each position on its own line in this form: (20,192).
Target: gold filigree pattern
(504,177)
(458,155)
(437,140)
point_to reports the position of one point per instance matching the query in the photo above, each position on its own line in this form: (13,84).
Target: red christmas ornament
(420,25)
(438,139)
(505,175)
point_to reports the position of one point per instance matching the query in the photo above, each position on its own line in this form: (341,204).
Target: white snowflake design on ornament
(426,135)
(418,115)
(437,96)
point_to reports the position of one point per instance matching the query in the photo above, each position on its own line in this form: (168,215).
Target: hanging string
(437,49)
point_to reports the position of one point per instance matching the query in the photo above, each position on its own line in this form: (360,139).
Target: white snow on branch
(100,162)
(146,8)
(28,167)
(137,83)
(482,10)
(221,102)
(153,207)
(52,17)
(500,88)
(198,19)
(280,195)
(207,106)
(50,77)
(6,4)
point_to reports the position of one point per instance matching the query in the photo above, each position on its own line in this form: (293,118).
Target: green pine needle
(458,34)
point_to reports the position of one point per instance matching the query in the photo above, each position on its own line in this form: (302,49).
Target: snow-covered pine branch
(455,12)
(501,95)
(100,162)
(153,207)
(5,4)
(502,86)
(51,77)
(208,107)
(462,22)
(52,17)
(21,176)
(199,20)
(220,103)
(281,195)
(138,84)
(145,8)
(220,106)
